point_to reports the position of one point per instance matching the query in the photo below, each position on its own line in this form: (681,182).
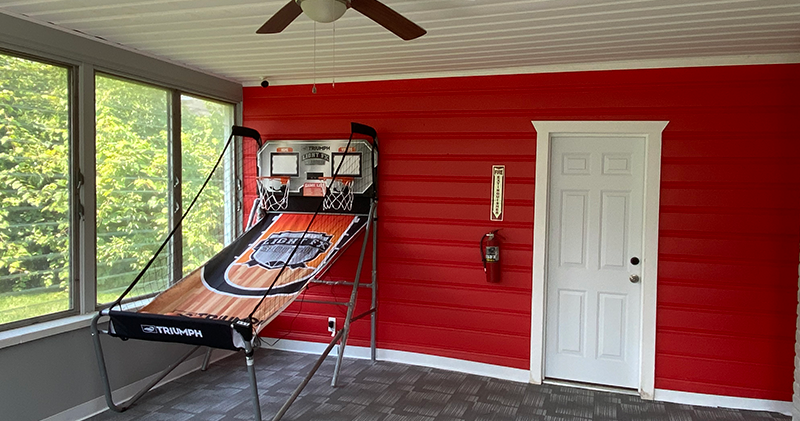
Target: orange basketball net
(339,195)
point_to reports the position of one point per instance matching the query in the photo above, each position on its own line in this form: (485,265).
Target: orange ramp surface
(234,282)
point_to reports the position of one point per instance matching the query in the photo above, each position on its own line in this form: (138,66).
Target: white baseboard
(701,399)
(98,405)
(522,376)
(412,358)
(452,364)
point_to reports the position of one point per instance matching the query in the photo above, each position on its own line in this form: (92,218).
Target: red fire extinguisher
(490,255)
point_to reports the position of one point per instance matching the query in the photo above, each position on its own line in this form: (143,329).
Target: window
(205,127)
(35,228)
(132,135)
(135,197)
(153,149)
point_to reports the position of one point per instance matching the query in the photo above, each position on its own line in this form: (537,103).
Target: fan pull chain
(334,55)
(314,87)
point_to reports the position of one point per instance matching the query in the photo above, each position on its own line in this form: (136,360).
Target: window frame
(73,178)
(84,59)
(174,173)
(236,193)
(174,251)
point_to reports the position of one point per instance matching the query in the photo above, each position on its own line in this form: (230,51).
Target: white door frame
(651,131)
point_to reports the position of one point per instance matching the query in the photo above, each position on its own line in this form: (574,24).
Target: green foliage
(132,126)
(132,183)
(203,125)
(131,161)
(34,168)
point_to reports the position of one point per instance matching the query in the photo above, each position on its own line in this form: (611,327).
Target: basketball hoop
(274,192)
(340,193)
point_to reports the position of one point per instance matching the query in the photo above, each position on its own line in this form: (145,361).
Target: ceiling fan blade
(388,18)
(279,21)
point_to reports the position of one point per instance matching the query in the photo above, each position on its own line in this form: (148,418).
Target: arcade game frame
(327,186)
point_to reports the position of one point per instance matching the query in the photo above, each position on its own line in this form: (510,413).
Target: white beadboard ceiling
(464,36)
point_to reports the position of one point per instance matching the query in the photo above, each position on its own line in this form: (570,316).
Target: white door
(594,241)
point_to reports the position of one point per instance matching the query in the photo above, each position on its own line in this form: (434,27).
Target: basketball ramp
(227,301)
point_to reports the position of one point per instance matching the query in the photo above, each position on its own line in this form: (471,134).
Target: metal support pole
(305,381)
(207,358)
(374,286)
(251,371)
(101,363)
(251,219)
(353,295)
(346,283)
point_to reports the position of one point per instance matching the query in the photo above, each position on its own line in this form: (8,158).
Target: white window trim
(651,131)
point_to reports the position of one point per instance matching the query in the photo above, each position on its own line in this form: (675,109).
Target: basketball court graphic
(253,267)
(290,248)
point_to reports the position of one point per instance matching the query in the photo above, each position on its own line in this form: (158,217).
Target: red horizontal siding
(752,380)
(729,220)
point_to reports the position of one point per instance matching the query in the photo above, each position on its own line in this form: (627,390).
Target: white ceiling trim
(733,60)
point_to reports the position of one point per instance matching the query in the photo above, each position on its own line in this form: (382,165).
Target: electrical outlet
(332,325)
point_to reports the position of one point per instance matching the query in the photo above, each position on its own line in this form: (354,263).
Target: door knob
(634,278)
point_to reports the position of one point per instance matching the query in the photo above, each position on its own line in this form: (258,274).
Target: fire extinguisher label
(492,254)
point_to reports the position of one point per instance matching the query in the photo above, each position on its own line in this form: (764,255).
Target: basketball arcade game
(314,199)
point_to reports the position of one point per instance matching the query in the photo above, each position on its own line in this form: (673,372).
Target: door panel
(611,326)
(573,228)
(595,227)
(571,311)
(613,229)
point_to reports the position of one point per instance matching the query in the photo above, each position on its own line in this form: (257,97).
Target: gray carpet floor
(385,391)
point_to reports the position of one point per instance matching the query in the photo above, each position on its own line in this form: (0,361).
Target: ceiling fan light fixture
(323,11)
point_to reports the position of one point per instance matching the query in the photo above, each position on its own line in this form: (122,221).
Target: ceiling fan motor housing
(323,11)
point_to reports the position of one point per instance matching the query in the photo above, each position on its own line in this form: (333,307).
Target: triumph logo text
(173,331)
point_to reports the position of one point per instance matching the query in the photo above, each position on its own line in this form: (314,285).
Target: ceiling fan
(326,11)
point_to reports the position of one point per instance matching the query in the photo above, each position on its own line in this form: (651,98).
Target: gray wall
(47,376)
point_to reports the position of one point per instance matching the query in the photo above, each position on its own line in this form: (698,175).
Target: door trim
(651,131)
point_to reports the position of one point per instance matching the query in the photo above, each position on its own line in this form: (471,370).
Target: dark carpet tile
(384,391)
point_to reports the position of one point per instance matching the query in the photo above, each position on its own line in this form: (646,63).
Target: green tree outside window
(34,189)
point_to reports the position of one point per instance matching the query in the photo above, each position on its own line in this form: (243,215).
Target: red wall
(730,211)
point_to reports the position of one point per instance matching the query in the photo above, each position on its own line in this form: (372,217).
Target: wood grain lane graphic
(230,285)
